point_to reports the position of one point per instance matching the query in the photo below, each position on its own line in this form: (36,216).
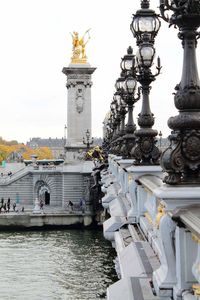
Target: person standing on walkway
(70,205)
(82,205)
(41,204)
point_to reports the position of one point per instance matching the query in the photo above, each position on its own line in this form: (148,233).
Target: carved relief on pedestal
(75,76)
(80,99)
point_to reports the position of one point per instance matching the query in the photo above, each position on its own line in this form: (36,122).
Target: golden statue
(79,56)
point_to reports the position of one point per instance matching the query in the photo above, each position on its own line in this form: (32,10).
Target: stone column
(79,101)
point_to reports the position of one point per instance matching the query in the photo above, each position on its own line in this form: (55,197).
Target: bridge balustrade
(162,220)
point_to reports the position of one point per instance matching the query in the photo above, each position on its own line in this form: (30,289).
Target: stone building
(55,144)
(55,184)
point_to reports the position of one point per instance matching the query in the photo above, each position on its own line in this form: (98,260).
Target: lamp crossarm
(158,71)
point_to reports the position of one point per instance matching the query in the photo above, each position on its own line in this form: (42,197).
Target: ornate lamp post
(110,131)
(65,137)
(88,142)
(115,121)
(110,127)
(128,89)
(118,118)
(160,136)
(145,26)
(145,21)
(117,102)
(122,131)
(181,160)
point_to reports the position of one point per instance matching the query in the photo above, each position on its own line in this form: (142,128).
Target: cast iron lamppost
(105,142)
(106,131)
(113,110)
(110,129)
(65,137)
(109,133)
(160,138)
(145,21)
(117,103)
(128,85)
(145,26)
(181,160)
(88,142)
(122,113)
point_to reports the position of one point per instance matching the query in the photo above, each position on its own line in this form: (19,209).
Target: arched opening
(47,198)
(43,192)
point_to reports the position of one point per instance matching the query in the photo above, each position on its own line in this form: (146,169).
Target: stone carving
(79,99)
(79,76)
(73,83)
(70,83)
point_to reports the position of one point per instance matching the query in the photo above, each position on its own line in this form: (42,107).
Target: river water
(55,265)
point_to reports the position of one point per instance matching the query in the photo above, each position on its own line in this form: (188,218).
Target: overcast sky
(36,45)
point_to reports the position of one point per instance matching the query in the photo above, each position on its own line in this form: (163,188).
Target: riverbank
(50,217)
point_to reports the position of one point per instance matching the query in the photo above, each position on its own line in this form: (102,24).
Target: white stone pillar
(164,278)
(79,101)
(186,251)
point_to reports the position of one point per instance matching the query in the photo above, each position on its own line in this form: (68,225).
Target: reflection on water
(55,265)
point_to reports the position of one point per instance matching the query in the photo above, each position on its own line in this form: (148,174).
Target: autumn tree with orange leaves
(9,150)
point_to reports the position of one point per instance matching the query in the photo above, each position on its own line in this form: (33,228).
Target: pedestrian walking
(14,206)
(8,204)
(5,208)
(82,204)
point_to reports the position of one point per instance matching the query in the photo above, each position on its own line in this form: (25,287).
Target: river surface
(55,265)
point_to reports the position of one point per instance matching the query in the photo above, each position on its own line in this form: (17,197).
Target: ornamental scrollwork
(146,120)
(181,160)
(191,145)
(145,152)
(179,7)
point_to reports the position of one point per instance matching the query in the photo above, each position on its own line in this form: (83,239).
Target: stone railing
(155,229)
(11,176)
(15,175)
